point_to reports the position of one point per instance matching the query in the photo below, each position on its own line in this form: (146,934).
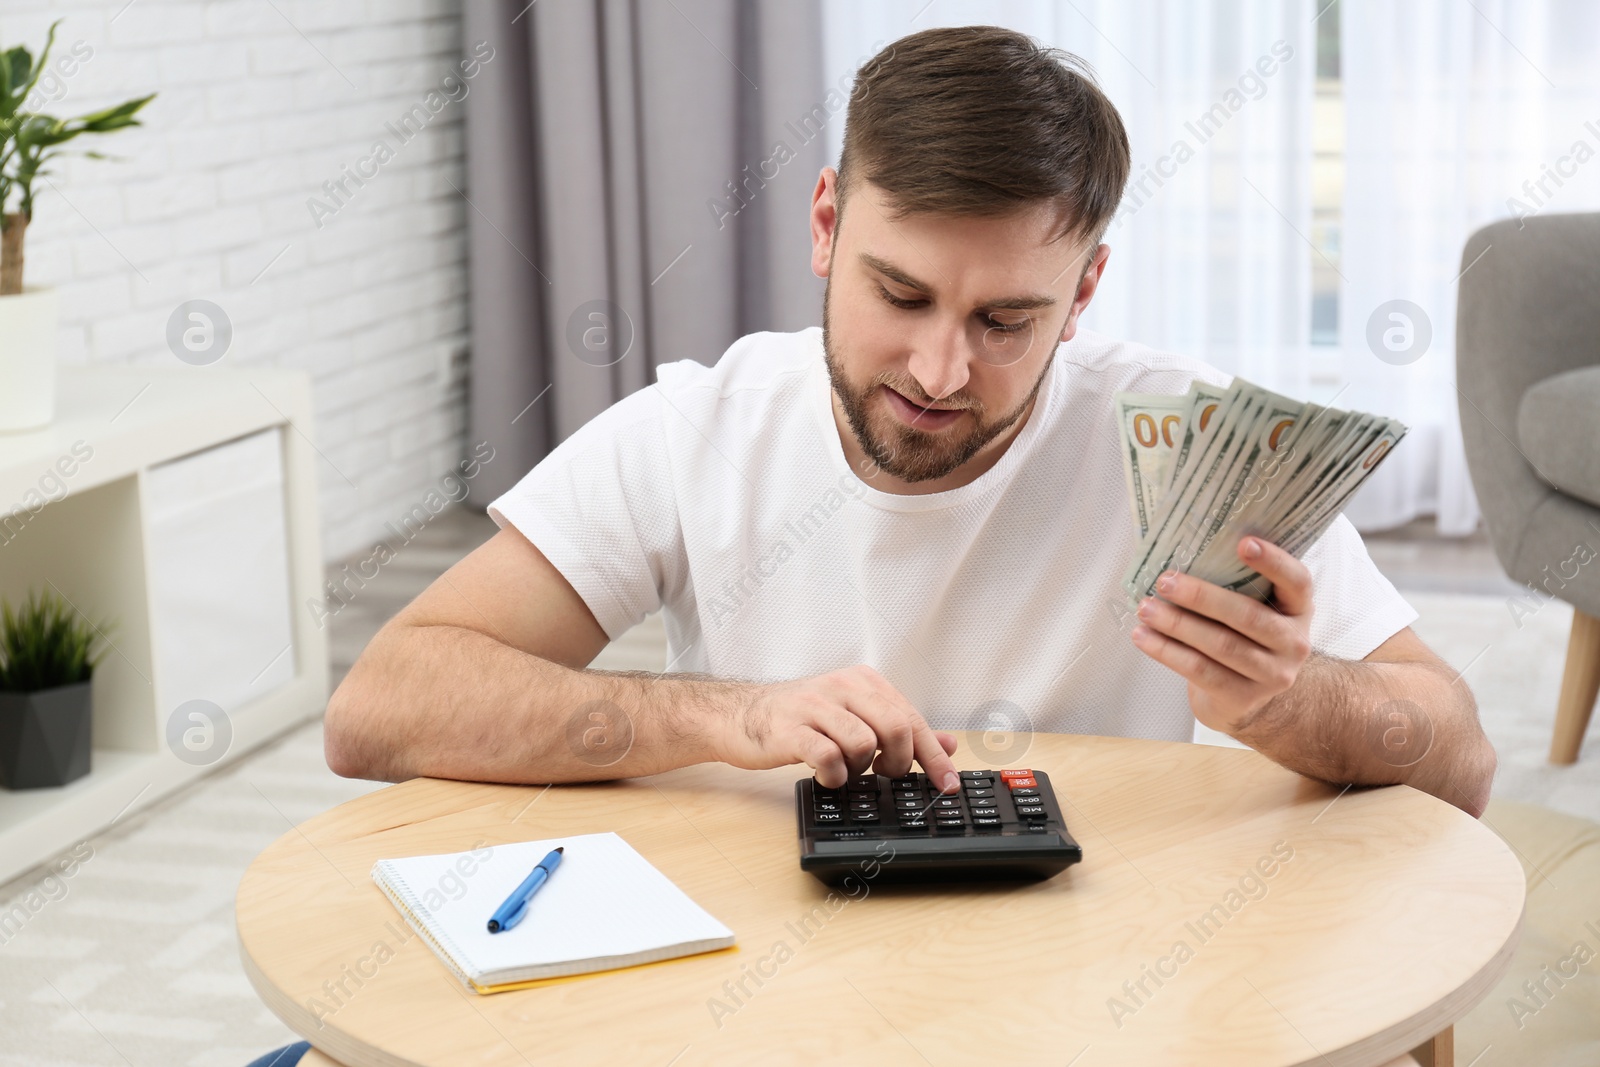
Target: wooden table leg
(1440,1052)
(1580,681)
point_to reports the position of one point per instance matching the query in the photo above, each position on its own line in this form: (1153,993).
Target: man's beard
(907,453)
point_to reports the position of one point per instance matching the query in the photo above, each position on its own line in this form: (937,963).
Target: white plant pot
(27,359)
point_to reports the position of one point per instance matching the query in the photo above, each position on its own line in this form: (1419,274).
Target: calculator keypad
(1008,801)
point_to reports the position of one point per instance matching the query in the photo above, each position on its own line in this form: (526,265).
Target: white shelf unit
(93,541)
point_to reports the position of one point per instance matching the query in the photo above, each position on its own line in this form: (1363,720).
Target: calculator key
(863,805)
(949,824)
(980,792)
(908,794)
(983,803)
(911,782)
(827,805)
(1016,774)
(864,816)
(977,774)
(830,816)
(1033,804)
(863,794)
(1024,792)
(864,781)
(919,824)
(1022,783)
(984,823)
(946,803)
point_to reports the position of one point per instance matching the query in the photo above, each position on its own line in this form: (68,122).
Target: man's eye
(896,301)
(1007,327)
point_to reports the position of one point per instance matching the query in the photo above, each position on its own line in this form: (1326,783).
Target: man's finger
(1267,627)
(822,755)
(893,720)
(855,737)
(934,753)
(1203,671)
(1212,639)
(1291,579)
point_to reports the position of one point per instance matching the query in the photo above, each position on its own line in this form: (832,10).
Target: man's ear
(824,219)
(1086,289)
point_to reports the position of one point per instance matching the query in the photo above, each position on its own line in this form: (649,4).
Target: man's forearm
(448,702)
(1378,723)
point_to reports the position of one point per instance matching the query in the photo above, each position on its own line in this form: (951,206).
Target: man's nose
(939,361)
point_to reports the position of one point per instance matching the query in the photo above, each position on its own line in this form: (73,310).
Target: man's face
(940,328)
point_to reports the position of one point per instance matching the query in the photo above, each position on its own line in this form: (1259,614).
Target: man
(908,523)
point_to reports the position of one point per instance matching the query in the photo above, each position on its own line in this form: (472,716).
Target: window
(1327,177)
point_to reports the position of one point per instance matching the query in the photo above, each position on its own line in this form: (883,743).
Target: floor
(133,960)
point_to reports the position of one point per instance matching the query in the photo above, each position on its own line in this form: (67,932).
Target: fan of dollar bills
(1210,467)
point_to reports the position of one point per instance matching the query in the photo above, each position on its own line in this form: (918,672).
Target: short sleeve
(601,508)
(1356,607)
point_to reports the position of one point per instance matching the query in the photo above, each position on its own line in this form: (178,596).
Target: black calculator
(1001,825)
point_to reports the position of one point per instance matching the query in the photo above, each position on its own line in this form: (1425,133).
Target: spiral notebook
(605,907)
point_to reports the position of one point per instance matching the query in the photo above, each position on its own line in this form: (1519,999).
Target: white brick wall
(250,121)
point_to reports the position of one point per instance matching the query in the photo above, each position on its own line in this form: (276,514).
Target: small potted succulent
(29,140)
(46,663)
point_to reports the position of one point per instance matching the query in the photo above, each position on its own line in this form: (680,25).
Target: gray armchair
(1528,378)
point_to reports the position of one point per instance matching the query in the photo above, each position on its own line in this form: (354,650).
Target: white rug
(135,962)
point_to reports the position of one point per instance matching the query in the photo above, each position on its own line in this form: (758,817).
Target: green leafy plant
(45,644)
(29,140)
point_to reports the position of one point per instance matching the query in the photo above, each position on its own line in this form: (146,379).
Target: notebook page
(604,900)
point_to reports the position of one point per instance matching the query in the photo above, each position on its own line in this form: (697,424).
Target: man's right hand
(836,723)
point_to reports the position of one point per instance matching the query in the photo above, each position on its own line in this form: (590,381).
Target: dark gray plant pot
(44,736)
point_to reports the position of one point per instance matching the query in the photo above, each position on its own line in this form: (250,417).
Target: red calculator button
(1016,774)
(1022,783)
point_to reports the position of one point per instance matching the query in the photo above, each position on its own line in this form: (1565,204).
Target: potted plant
(28,140)
(46,665)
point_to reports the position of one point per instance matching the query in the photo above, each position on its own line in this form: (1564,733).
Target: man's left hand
(1237,653)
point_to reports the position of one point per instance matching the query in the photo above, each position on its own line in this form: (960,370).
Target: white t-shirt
(722,496)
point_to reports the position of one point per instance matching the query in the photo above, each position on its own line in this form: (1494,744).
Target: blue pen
(511,912)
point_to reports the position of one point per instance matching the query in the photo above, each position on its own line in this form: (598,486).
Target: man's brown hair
(981,120)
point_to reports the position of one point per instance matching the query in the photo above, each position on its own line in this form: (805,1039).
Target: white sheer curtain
(1450,108)
(1209,255)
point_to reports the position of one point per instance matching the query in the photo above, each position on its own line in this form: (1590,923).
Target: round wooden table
(1226,912)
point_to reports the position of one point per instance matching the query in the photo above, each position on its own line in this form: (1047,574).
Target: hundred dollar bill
(1150,425)
(1203,401)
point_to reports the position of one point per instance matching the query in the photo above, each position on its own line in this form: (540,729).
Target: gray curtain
(602,138)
